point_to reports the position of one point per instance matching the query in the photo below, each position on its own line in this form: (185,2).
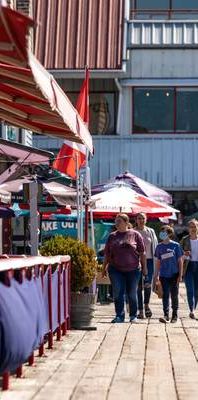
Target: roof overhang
(29,96)
(95,73)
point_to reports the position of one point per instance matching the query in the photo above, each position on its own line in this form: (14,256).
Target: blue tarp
(21,322)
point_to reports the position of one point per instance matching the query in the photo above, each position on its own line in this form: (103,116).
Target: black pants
(170,288)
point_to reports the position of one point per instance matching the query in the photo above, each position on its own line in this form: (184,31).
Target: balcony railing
(162,33)
(164,14)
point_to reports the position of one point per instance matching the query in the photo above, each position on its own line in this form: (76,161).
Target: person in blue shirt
(169,270)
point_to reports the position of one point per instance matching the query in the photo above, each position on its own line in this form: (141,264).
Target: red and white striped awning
(29,96)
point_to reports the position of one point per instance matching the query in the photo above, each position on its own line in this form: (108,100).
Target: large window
(156,9)
(151,4)
(187,116)
(163,110)
(102,112)
(153,110)
(184,4)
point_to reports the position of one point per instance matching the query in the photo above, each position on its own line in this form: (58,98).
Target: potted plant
(83,273)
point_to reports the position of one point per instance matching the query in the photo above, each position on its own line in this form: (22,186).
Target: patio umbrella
(139,185)
(121,198)
(29,96)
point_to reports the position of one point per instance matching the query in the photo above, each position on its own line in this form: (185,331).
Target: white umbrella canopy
(144,187)
(121,198)
(139,185)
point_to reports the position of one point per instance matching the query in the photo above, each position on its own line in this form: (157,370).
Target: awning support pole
(33,193)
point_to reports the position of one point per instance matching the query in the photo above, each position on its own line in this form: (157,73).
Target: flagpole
(77,197)
(81,208)
(87,200)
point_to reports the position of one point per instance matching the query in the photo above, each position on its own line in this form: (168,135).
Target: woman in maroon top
(124,259)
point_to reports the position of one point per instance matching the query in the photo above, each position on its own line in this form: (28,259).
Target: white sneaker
(133,320)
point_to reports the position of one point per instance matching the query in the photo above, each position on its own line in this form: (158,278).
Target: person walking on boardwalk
(189,244)
(169,270)
(150,242)
(124,259)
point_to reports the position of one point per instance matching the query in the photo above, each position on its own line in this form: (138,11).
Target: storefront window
(153,110)
(102,112)
(186,109)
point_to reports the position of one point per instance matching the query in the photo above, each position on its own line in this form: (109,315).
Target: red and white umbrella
(122,198)
(139,185)
(29,96)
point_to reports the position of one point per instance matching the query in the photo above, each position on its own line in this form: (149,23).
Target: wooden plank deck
(143,361)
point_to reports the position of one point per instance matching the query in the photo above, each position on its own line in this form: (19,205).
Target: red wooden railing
(25,268)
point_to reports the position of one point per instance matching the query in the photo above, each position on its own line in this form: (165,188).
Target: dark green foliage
(83,259)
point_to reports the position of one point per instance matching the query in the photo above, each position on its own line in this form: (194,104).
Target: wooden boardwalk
(143,361)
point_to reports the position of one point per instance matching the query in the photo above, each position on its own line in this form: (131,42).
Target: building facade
(143,59)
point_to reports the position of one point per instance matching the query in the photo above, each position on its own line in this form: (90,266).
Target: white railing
(162,34)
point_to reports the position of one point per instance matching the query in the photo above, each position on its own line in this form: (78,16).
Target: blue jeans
(124,282)
(191,282)
(147,290)
(170,287)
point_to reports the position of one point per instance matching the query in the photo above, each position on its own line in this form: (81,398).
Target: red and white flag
(66,158)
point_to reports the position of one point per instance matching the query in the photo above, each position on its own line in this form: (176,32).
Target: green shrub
(83,259)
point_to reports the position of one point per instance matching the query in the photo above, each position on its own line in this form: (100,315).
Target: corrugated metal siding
(162,34)
(71,34)
(170,161)
(163,63)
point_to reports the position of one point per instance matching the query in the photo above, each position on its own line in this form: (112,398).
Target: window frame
(174,131)
(166,12)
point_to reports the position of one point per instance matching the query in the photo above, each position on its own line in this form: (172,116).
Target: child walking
(169,270)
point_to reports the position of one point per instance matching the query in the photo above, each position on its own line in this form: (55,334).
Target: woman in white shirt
(150,242)
(190,246)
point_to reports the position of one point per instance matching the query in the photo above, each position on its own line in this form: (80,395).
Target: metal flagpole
(77,198)
(33,192)
(81,208)
(88,184)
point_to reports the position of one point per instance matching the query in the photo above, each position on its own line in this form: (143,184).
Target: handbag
(158,290)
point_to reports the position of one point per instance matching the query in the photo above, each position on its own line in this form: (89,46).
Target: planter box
(102,281)
(82,309)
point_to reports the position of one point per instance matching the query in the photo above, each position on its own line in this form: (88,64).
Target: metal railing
(45,280)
